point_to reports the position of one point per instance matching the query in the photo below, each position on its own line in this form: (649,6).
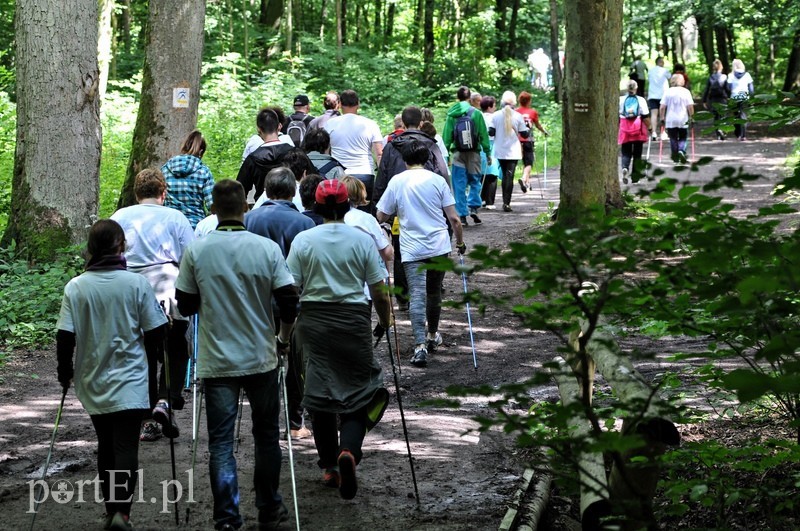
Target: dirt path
(465,478)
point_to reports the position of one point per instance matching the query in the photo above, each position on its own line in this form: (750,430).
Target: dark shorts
(527,153)
(653,104)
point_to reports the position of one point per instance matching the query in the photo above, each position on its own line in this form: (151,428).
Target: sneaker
(348,485)
(682,157)
(330,477)
(420,357)
(464,221)
(475,219)
(490,207)
(507,208)
(162,415)
(120,522)
(523,187)
(150,432)
(301,433)
(433,341)
(624,175)
(653,137)
(270,520)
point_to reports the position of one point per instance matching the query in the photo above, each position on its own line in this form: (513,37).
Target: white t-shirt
(370,226)
(154,234)
(657,82)
(740,86)
(234,272)
(332,262)
(418,197)
(109,311)
(506,145)
(206,225)
(677,100)
(255,142)
(352,136)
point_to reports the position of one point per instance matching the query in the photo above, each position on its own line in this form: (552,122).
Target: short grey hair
(280,183)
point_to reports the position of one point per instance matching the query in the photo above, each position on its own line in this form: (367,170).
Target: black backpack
(718,87)
(333,163)
(465,137)
(297,128)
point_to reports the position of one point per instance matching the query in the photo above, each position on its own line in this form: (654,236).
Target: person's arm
(380,298)
(382,216)
(65,347)
(455,223)
(483,133)
(208,188)
(286,297)
(387,254)
(188,303)
(377,152)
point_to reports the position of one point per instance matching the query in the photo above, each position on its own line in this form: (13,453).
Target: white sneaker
(625,175)
(432,341)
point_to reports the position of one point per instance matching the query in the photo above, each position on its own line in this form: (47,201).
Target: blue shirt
(278,220)
(189,186)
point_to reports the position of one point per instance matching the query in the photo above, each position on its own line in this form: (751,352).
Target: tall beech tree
(57,159)
(170,86)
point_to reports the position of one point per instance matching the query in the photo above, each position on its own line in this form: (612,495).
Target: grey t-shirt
(109,311)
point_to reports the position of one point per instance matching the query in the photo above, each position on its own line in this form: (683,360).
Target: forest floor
(466,478)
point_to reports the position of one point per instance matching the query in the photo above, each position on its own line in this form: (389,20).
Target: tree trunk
(55,185)
(104,37)
(417,19)
(170,87)
(558,81)
(358,24)
(289,24)
(378,23)
(344,21)
(322,18)
(705,35)
(792,81)
(722,47)
(589,176)
(339,32)
(500,30)
(428,46)
(665,50)
(390,12)
(511,46)
(126,26)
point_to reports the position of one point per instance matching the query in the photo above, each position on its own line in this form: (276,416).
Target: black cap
(300,100)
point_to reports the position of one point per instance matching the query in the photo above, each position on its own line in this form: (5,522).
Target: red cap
(331,188)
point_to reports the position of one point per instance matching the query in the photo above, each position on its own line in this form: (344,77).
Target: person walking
(465,135)
(715,95)
(418,197)
(634,124)
(639,74)
(531,117)
(490,169)
(331,105)
(355,140)
(508,127)
(740,87)
(332,262)
(112,323)
(317,146)
(156,238)
(676,111)
(229,278)
(268,155)
(189,181)
(657,84)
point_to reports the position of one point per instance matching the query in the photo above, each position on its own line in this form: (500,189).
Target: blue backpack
(630,107)
(465,137)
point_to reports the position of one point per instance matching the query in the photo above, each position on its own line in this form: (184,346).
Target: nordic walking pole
(469,317)
(545,163)
(239,421)
(195,434)
(170,417)
(403,419)
(37,499)
(660,144)
(195,415)
(649,141)
(394,324)
(282,377)
(691,132)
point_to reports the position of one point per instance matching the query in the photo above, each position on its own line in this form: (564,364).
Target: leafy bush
(29,311)
(8,132)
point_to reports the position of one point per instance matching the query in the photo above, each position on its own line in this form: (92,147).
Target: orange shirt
(531,117)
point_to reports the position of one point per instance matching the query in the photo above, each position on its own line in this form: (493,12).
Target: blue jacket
(278,220)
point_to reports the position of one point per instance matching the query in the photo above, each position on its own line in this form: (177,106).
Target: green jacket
(460,109)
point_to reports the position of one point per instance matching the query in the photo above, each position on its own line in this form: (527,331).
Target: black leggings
(178,359)
(353,427)
(118,450)
(508,168)
(489,189)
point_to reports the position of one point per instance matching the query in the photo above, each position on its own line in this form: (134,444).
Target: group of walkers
(284,263)
(669,108)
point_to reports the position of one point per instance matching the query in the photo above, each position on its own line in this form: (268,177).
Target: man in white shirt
(354,141)
(657,84)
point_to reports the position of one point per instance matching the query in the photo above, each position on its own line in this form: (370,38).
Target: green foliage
(8,132)
(29,309)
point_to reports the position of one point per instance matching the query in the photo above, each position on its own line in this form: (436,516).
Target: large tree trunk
(343,20)
(428,46)
(173,55)
(290,25)
(501,37)
(390,12)
(104,37)
(322,18)
(705,35)
(589,176)
(792,81)
(57,159)
(722,47)
(557,77)
(339,30)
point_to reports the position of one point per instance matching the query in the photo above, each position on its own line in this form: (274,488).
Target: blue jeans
(222,404)
(425,298)
(461,179)
(677,140)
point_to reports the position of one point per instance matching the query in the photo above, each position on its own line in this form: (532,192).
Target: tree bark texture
(792,80)
(57,159)
(428,47)
(589,177)
(173,55)
(705,35)
(500,30)
(722,47)
(558,81)
(104,36)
